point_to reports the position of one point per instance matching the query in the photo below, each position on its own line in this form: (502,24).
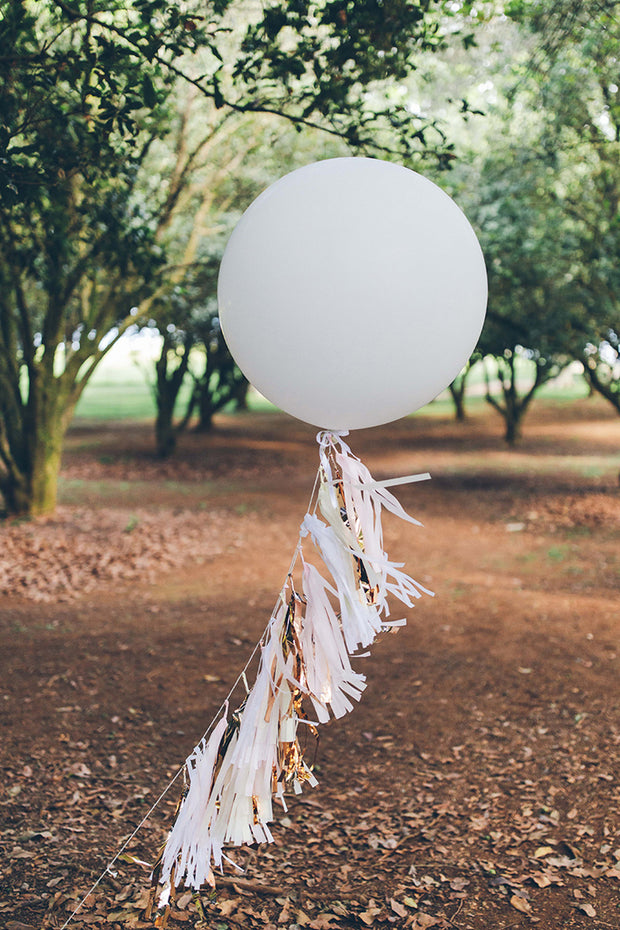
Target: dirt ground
(476,785)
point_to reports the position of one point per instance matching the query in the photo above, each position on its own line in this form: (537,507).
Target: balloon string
(312,504)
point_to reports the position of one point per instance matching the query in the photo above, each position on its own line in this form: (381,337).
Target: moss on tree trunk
(33,491)
(29,483)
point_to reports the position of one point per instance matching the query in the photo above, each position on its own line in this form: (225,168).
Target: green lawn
(122,388)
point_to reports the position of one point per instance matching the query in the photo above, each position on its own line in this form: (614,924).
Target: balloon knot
(327,437)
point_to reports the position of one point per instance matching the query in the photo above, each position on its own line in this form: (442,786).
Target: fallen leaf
(322,922)
(543,851)
(520,904)
(368,917)
(118,916)
(423,921)
(398,908)
(78,770)
(562,862)
(126,857)
(285,913)
(18,853)
(458,884)
(587,909)
(183,900)
(227,907)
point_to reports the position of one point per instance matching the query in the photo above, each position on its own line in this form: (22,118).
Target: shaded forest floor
(476,785)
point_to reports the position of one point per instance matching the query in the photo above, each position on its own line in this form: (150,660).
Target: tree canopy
(573,77)
(88,89)
(539,175)
(119,122)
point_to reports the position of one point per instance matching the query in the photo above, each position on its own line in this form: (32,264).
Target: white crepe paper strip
(305,654)
(353,537)
(361,620)
(190,843)
(330,680)
(364,499)
(392,482)
(232,805)
(242,791)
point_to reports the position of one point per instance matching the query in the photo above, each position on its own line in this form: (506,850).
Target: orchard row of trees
(134,133)
(544,193)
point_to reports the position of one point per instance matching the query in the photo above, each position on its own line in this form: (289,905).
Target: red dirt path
(475,786)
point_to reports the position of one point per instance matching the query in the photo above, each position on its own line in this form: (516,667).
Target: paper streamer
(305,677)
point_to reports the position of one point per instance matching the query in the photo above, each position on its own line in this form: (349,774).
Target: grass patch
(122,387)
(108,492)
(558,553)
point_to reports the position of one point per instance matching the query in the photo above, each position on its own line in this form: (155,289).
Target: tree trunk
(165,433)
(457,390)
(610,389)
(45,471)
(167,387)
(512,409)
(512,420)
(30,486)
(15,496)
(458,397)
(206,409)
(241,394)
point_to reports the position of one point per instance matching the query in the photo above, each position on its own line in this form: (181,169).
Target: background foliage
(132,136)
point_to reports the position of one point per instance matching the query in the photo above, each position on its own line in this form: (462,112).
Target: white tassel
(352,505)
(329,677)
(234,806)
(242,792)
(361,620)
(189,845)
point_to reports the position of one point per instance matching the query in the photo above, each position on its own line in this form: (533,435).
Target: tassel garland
(304,668)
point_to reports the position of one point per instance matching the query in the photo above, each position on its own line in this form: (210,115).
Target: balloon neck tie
(327,437)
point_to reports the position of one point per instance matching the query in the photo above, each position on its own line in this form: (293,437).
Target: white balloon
(352,292)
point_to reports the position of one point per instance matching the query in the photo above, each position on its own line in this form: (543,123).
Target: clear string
(312,504)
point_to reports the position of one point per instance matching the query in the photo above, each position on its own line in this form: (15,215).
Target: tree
(529,316)
(170,370)
(602,367)
(86,92)
(186,313)
(78,252)
(539,177)
(193,349)
(573,82)
(458,387)
(248,153)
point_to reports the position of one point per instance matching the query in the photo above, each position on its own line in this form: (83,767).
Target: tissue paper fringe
(255,756)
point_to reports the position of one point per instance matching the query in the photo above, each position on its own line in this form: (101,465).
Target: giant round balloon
(352,292)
